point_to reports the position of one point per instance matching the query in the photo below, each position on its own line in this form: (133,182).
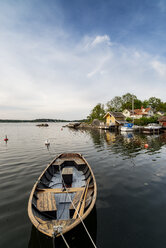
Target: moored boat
(73,125)
(127,127)
(42,125)
(63,196)
(152,128)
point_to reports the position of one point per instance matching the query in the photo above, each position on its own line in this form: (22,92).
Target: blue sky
(60,58)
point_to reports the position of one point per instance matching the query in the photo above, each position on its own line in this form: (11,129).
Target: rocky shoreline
(86,125)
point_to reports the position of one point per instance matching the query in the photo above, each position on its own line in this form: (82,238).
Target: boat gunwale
(78,220)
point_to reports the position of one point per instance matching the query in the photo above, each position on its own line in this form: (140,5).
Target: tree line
(119,103)
(36,120)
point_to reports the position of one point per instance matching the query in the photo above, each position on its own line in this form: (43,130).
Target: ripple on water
(131,190)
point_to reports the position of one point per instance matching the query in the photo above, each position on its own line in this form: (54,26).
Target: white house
(138,113)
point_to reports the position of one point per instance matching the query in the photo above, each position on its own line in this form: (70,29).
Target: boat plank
(76,201)
(78,161)
(83,202)
(78,206)
(46,202)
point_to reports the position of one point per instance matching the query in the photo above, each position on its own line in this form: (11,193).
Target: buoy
(6,138)
(61,129)
(146,145)
(47,143)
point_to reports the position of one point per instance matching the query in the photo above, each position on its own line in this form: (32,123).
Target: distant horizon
(39,120)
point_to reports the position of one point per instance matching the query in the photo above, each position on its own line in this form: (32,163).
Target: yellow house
(114,119)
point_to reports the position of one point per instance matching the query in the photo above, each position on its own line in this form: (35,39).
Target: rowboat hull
(73,237)
(63,196)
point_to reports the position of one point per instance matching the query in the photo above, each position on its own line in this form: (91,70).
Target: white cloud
(49,74)
(101,39)
(97,41)
(159,67)
(42,78)
(99,66)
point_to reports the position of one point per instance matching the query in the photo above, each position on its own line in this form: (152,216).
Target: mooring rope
(58,230)
(82,221)
(53,240)
(64,240)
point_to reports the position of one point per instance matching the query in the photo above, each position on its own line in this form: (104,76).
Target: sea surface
(131,182)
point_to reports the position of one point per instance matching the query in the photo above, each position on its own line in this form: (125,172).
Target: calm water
(131,180)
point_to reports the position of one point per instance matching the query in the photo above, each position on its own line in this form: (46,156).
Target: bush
(128,119)
(143,121)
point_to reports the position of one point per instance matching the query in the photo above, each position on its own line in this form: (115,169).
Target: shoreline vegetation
(117,104)
(129,102)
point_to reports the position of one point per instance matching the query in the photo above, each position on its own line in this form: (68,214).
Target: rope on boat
(76,212)
(64,240)
(58,230)
(82,222)
(53,240)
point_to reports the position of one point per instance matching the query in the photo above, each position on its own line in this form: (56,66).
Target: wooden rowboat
(63,196)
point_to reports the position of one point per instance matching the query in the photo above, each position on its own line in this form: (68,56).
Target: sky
(59,58)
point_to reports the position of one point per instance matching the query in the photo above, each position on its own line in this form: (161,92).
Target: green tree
(128,105)
(97,112)
(145,103)
(115,104)
(128,98)
(154,103)
(137,104)
(161,107)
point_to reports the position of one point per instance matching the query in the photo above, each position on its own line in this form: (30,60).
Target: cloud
(99,67)
(46,72)
(51,79)
(159,67)
(101,39)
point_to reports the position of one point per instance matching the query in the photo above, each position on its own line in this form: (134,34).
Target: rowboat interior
(64,192)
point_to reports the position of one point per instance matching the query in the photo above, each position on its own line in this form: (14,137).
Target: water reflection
(133,141)
(125,143)
(76,238)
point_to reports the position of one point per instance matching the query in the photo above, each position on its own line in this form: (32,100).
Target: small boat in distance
(127,127)
(42,125)
(63,196)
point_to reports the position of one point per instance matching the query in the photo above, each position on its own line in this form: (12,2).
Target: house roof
(162,119)
(147,109)
(141,112)
(120,122)
(117,114)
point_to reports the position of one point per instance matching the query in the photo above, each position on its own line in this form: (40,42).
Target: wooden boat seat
(60,161)
(67,175)
(46,202)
